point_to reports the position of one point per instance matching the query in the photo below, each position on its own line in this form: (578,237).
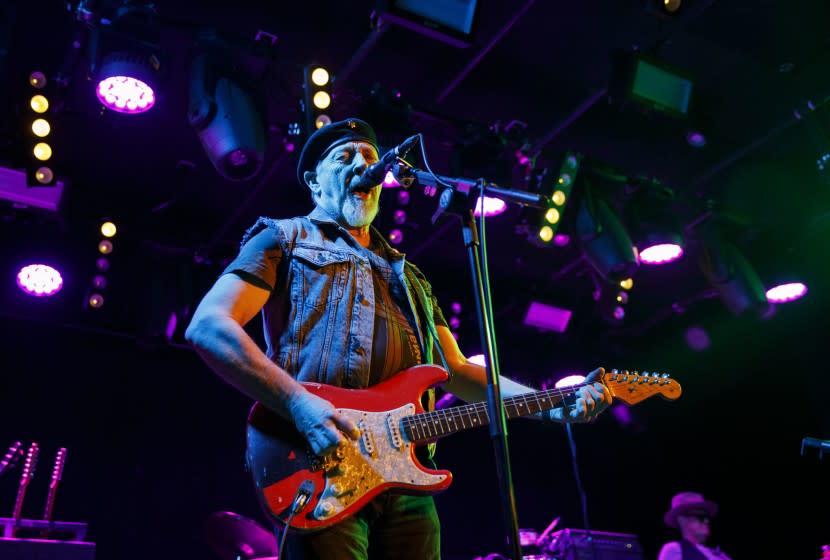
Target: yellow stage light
(322,100)
(39,104)
(320,76)
(42,151)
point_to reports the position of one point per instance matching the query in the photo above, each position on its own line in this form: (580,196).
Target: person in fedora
(690,513)
(340,306)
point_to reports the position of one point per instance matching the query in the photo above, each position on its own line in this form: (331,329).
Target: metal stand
(455,198)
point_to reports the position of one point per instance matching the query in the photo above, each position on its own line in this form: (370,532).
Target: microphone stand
(459,196)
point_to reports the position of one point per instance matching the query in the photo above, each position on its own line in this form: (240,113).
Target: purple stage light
(39,280)
(786,292)
(125,94)
(547,317)
(561,239)
(570,380)
(661,254)
(390,181)
(492,206)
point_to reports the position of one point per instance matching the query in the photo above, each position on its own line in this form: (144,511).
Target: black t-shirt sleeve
(258,260)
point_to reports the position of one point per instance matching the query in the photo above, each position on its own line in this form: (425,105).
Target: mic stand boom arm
(457,197)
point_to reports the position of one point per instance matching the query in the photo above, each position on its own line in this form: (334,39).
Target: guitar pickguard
(382,455)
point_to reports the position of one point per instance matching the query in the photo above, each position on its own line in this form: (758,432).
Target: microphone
(375,173)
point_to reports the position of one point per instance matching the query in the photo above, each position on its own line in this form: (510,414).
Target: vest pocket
(323,275)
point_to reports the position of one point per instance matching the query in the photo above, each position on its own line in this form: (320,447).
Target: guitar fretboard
(428,426)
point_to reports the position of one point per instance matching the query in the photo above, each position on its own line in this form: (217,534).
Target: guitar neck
(429,426)
(50,501)
(21,496)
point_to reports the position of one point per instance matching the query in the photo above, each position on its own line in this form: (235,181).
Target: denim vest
(319,320)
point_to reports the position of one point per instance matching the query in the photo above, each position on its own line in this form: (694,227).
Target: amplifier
(576,544)
(42,549)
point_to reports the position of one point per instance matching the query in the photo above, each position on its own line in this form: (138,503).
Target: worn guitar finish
(392,423)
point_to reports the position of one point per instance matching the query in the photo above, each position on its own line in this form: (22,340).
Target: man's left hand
(591,400)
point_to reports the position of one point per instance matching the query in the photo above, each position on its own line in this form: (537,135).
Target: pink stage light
(125,94)
(786,292)
(39,280)
(492,206)
(661,254)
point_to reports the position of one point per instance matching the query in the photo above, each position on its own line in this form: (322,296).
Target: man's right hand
(320,423)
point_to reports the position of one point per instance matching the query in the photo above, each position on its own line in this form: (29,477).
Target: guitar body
(383,458)
(391,422)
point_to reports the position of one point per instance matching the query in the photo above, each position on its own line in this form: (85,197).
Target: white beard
(359,213)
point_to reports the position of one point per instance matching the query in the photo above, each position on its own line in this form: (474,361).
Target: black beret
(348,130)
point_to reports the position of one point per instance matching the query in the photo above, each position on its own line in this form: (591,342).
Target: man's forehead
(355,145)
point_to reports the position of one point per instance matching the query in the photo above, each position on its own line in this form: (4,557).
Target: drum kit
(235,537)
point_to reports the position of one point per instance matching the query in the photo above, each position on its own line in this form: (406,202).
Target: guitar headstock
(57,472)
(12,456)
(30,463)
(633,387)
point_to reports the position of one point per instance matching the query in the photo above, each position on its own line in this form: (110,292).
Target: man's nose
(359,164)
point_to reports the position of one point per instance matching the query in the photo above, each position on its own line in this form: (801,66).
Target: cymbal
(234,536)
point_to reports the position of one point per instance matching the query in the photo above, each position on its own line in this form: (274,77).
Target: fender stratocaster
(324,490)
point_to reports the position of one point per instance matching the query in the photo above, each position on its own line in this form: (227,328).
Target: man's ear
(310,178)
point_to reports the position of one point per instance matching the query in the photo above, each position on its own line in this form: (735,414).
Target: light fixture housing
(127,83)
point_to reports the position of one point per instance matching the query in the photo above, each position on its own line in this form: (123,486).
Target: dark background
(155,441)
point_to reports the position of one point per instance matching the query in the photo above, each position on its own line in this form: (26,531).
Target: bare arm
(217,334)
(469,382)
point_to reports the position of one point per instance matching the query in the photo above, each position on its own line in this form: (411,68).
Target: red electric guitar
(25,478)
(324,490)
(57,472)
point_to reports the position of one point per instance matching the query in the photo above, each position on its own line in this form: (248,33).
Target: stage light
(561,239)
(322,100)
(492,206)
(39,104)
(547,317)
(736,281)
(316,97)
(570,380)
(556,187)
(783,293)
(42,151)
(399,217)
(44,175)
(108,229)
(396,237)
(125,94)
(41,128)
(627,283)
(99,282)
(478,359)
(653,227)
(320,76)
(102,264)
(105,247)
(671,6)
(95,301)
(39,280)
(661,253)
(226,120)
(389,180)
(605,242)
(128,69)
(37,80)
(696,139)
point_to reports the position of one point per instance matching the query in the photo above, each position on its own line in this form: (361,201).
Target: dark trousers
(390,527)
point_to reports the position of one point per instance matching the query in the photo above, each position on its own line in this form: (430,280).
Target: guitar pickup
(394,431)
(366,437)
